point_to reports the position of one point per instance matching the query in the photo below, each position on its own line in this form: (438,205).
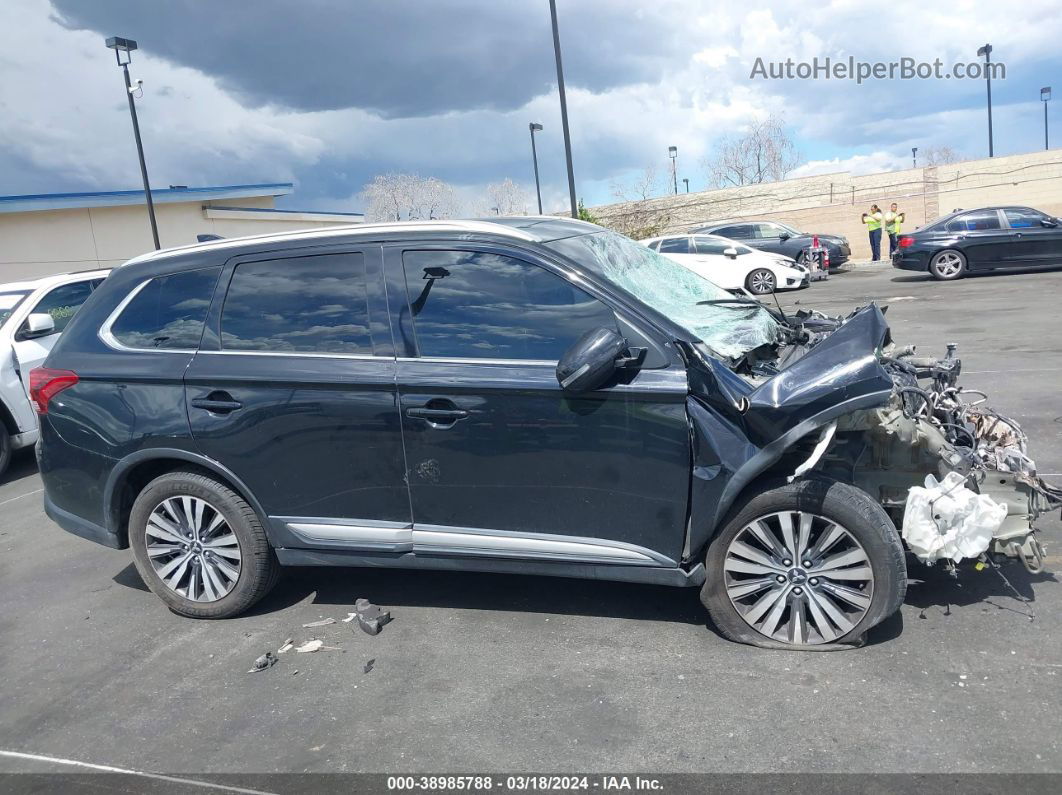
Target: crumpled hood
(839,374)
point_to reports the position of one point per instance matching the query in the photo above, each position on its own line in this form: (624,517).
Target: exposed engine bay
(954,474)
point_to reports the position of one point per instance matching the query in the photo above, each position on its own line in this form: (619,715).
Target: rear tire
(205,553)
(948,265)
(809,607)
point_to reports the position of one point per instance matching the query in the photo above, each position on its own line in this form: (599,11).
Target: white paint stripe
(111,769)
(20,496)
(1016,370)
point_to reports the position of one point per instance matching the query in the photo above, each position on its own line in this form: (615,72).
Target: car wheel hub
(192,549)
(948,264)
(820,599)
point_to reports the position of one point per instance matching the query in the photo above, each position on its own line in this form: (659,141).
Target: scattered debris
(371,618)
(315,645)
(295,672)
(267,660)
(370,664)
(350,617)
(946,520)
(285,646)
(324,622)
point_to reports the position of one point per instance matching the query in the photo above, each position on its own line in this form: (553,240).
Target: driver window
(63,302)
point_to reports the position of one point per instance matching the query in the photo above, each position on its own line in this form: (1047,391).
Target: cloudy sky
(327,93)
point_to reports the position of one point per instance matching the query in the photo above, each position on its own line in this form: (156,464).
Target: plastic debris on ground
(285,646)
(369,665)
(324,622)
(267,660)
(371,618)
(947,521)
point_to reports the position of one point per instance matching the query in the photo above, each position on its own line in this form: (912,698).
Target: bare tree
(939,156)
(408,197)
(764,153)
(645,186)
(507,198)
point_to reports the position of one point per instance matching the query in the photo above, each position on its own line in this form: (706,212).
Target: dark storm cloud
(399,58)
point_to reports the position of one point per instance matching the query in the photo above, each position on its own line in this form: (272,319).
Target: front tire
(948,265)
(200,547)
(811,564)
(5,449)
(761,282)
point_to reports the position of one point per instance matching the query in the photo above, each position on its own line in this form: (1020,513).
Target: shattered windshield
(731,329)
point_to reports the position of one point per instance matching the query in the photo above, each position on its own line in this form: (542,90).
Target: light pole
(987,52)
(672,152)
(564,107)
(120,45)
(1045,97)
(687,183)
(535,127)
(914,157)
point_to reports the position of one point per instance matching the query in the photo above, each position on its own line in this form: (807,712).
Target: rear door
(60,303)
(1032,243)
(501,461)
(293,389)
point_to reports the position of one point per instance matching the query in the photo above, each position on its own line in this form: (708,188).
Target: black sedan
(778,238)
(981,240)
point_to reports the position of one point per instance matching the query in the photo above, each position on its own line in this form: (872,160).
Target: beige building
(833,203)
(58,232)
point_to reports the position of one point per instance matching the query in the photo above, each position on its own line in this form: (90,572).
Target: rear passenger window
(473,305)
(675,245)
(312,304)
(168,313)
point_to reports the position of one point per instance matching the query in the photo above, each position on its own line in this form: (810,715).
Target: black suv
(531,396)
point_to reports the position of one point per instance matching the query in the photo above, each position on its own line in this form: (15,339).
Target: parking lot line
(20,496)
(125,771)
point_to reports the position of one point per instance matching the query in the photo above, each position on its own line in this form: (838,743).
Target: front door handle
(217,403)
(438,413)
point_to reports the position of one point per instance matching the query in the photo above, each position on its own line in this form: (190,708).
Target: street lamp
(563,107)
(672,152)
(914,157)
(535,127)
(987,52)
(1045,97)
(120,45)
(687,184)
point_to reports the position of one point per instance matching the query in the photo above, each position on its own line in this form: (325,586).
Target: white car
(32,316)
(730,264)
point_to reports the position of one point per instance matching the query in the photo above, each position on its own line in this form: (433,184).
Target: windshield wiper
(734,300)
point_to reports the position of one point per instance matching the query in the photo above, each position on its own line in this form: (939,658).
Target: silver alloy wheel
(798,578)
(948,264)
(192,548)
(761,282)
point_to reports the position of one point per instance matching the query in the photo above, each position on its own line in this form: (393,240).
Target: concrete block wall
(833,203)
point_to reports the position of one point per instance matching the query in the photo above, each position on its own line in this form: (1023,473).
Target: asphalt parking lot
(496,673)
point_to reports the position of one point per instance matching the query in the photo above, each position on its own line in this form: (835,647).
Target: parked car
(991,238)
(779,238)
(32,316)
(730,264)
(527,396)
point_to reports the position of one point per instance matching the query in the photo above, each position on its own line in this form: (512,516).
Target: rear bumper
(909,261)
(82,527)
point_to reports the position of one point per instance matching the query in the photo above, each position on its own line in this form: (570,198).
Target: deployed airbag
(947,521)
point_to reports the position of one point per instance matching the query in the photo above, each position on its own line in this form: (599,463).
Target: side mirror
(39,324)
(593,359)
(730,252)
(784,236)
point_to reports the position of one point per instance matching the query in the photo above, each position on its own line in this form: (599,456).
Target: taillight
(906,241)
(46,383)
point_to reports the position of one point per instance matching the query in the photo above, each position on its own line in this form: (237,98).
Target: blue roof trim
(272,210)
(118,198)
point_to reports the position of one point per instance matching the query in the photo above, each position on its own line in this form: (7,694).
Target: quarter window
(474,305)
(169,312)
(63,302)
(311,304)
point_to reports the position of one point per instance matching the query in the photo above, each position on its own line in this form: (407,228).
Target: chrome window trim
(299,354)
(107,336)
(473,360)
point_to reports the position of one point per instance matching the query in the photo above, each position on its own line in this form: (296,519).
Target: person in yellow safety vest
(893,220)
(873,221)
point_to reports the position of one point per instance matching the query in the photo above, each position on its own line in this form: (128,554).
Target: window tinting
(63,302)
(675,245)
(742,232)
(487,306)
(169,312)
(707,245)
(1023,219)
(302,304)
(974,222)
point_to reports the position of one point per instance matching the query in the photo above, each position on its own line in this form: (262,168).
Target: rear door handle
(217,403)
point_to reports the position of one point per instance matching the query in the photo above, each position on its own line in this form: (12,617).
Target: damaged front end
(835,396)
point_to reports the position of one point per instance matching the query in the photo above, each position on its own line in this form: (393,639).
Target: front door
(500,461)
(294,391)
(1033,244)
